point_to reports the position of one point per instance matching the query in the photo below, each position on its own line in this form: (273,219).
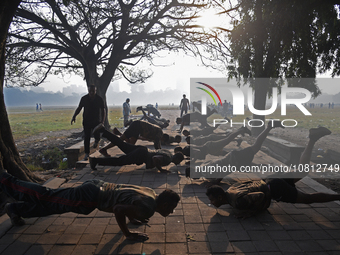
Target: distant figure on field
(126,111)
(37,107)
(184,105)
(40,108)
(93,114)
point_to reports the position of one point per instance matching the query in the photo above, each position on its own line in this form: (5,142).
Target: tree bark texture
(9,155)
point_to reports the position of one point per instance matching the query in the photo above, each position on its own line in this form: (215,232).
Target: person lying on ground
(138,129)
(243,157)
(150,109)
(135,154)
(162,123)
(214,147)
(186,119)
(255,196)
(137,203)
(201,132)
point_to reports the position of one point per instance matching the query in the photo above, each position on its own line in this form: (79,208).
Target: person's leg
(96,137)
(260,139)
(116,141)
(38,200)
(217,146)
(138,156)
(318,197)
(314,135)
(87,137)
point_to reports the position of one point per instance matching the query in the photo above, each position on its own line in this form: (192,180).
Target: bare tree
(103,39)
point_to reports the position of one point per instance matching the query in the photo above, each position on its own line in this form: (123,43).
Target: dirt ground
(33,145)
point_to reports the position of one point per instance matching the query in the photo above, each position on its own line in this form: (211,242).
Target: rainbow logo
(209,93)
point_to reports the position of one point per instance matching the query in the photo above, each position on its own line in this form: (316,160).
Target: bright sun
(210,19)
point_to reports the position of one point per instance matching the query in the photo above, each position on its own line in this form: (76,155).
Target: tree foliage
(286,39)
(101,38)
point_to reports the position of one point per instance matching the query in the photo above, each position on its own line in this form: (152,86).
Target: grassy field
(26,121)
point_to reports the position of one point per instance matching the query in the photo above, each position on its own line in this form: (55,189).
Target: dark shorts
(133,130)
(282,190)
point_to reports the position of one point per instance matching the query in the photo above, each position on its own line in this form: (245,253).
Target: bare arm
(157,160)
(130,211)
(103,115)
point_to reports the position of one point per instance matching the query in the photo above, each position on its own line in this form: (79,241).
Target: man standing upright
(126,111)
(93,114)
(184,105)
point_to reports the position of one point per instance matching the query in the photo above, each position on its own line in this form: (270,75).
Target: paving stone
(62,249)
(319,234)
(199,247)
(16,248)
(299,235)
(177,248)
(98,230)
(8,239)
(221,247)
(75,229)
(279,235)
(175,237)
(193,228)
(217,237)
(174,228)
(153,248)
(243,247)
(329,245)
(213,227)
(69,239)
(236,235)
(84,250)
(287,246)
(48,238)
(309,245)
(39,249)
(258,235)
(90,239)
(197,237)
(265,246)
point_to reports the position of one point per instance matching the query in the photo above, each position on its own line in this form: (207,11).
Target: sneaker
(86,157)
(104,153)
(275,123)
(98,129)
(244,130)
(317,133)
(16,220)
(93,163)
(95,145)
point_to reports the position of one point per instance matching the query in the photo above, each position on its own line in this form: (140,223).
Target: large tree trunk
(9,155)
